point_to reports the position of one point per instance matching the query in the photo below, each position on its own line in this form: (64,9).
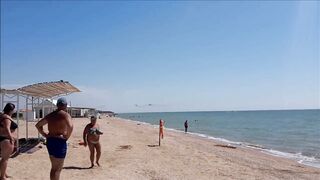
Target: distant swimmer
(91,137)
(186,126)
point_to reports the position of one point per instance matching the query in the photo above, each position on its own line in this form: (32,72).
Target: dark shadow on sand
(76,168)
(153,145)
(123,147)
(27,146)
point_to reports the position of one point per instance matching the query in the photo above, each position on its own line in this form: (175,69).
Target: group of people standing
(60,128)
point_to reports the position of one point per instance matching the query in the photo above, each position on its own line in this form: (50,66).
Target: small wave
(216,139)
(309,161)
(226,141)
(254,146)
(175,130)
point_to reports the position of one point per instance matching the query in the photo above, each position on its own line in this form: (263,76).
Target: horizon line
(222,110)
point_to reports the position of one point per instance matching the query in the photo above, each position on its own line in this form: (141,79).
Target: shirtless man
(60,128)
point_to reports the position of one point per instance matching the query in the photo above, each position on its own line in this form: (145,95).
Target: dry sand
(130,151)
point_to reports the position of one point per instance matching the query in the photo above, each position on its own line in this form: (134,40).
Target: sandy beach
(130,151)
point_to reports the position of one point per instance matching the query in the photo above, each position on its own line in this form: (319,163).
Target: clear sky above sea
(167,56)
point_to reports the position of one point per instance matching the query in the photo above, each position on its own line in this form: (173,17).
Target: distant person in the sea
(7,129)
(60,128)
(91,136)
(186,126)
(161,127)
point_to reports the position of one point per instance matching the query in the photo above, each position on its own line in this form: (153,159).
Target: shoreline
(297,157)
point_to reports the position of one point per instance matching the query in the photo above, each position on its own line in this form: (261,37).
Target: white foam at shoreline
(309,161)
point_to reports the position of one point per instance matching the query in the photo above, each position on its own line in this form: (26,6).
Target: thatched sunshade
(48,89)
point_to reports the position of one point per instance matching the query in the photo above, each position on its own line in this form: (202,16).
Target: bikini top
(95,131)
(13,125)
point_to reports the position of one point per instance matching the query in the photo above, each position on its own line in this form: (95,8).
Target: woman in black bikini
(91,136)
(7,128)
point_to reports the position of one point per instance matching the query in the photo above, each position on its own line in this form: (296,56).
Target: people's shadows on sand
(76,168)
(124,147)
(28,146)
(153,145)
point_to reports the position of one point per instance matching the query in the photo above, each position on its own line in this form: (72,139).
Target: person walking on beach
(60,128)
(7,128)
(91,136)
(161,127)
(186,126)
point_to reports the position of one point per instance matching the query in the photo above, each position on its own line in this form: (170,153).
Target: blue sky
(177,56)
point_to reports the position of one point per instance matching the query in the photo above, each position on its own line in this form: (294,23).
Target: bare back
(58,123)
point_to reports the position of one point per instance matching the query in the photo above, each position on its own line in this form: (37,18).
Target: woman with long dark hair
(7,128)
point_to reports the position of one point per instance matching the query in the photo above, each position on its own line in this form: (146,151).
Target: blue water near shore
(293,134)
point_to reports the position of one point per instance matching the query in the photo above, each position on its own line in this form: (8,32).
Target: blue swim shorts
(57,147)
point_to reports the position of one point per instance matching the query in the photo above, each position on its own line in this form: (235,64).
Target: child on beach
(91,136)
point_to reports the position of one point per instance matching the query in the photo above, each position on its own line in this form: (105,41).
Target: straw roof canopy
(45,90)
(7,91)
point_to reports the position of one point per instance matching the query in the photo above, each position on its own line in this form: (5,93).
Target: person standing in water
(186,126)
(60,128)
(91,136)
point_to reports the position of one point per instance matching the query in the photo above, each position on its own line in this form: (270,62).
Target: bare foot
(98,163)
(6,176)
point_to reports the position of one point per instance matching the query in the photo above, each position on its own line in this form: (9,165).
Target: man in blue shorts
(60,128)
